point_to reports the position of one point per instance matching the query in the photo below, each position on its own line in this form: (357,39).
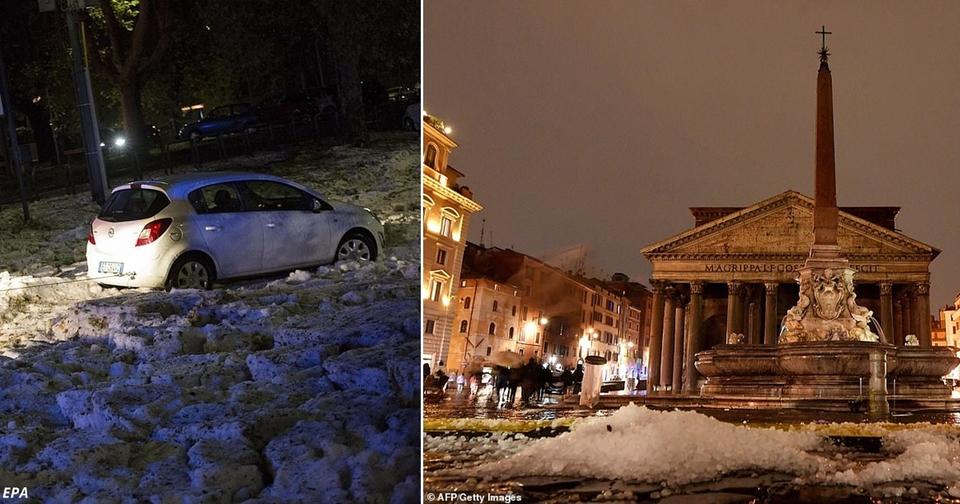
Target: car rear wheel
(191,272)
(356,247)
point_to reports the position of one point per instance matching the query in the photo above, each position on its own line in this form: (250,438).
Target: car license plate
(114,268)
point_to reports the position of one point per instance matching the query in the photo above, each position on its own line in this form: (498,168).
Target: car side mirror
(317,206)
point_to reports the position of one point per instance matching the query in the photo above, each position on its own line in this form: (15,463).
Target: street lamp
(445,301)
(585,344)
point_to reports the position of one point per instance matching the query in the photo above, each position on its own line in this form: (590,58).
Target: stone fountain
(827,356)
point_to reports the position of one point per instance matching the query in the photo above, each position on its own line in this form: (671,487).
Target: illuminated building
(447,207)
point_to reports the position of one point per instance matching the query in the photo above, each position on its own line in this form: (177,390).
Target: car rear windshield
(133,204)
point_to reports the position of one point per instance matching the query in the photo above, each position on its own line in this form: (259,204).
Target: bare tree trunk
(130,92)
(351,102)
(39,118)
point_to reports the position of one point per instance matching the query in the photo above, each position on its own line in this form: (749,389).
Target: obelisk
(825,180)
(827,308)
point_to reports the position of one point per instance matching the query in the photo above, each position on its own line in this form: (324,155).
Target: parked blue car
(233,118)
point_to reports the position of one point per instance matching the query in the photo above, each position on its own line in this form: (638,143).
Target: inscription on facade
(776,268)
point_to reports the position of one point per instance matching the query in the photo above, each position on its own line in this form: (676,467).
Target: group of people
(534,380)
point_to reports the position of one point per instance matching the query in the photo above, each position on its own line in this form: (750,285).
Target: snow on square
(303,385)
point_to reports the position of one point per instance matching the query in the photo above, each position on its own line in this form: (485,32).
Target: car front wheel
(356,247)
(191,273)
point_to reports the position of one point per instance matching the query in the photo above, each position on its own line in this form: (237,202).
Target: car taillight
(152,231)
(90,238)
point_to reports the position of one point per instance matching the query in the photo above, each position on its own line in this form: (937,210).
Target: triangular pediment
(783,226)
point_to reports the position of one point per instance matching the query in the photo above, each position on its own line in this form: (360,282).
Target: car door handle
(211,228)
(272,225)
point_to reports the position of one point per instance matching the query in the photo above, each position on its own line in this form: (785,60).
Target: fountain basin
(824,370)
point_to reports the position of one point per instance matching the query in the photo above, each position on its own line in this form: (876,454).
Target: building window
(441,257)
(463,326)
(488,351)
(511,333)
(523,313)
(538,336)
(492,329)
(466,303)
(495,305)
(429,326)
(435,289)
(521,351)
(514,312)
(445,225)
(430,158)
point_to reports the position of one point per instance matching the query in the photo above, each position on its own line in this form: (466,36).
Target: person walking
(474,387)
(442,380)
(577,378)
(460,382)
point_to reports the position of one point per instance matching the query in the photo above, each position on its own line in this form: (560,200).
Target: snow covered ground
(302,387)
(673,450)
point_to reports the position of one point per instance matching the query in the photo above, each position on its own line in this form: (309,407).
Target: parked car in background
(296,106)
(187,231)
(233,118)
(412,117)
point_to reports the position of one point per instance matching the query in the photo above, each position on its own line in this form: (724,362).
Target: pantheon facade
(735,272)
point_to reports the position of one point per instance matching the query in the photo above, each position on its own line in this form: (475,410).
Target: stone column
(886,311)
(908,312)
(656,337)
(923,314)
(693,336)
(666,353)
(898,321)
(912,312)
(753,321)
(740,319)
(734,314)
(770,335)
(678,323)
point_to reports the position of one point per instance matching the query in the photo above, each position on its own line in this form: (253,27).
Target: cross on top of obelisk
(823,48)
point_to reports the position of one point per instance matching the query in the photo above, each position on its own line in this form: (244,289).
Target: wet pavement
(485,405)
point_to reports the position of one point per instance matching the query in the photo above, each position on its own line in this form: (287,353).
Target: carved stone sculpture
(827,309)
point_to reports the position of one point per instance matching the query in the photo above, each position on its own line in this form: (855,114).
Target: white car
(186,231)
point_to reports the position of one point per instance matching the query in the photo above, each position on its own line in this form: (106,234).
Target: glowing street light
(585,342)
(544,320)
(529,329)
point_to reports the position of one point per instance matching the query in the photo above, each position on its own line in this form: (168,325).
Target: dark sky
(599,123)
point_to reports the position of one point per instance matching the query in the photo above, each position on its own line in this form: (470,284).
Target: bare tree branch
(115,32)
(142,27)
(109,70)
